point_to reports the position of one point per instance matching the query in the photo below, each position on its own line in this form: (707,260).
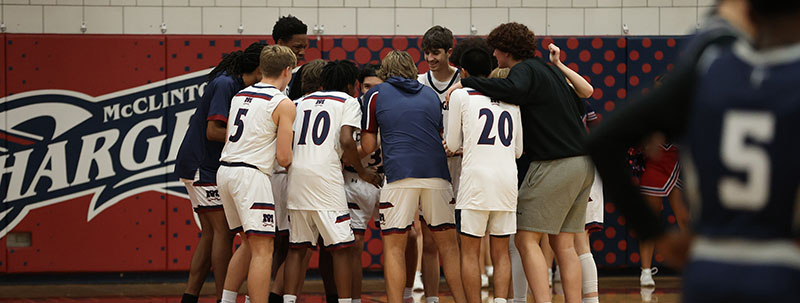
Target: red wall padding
(154,229)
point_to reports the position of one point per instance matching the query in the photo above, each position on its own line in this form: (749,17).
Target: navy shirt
(409,117)
(196,151)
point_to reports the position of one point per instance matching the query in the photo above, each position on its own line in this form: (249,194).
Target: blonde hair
(276,58)
(312,76)
(397,63)
(501,73)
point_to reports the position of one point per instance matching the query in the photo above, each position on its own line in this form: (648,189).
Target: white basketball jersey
(492,141)
(252,134)
(315,177)
(440,88)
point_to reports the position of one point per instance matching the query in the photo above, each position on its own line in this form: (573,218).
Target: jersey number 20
(502,124)
(323,119)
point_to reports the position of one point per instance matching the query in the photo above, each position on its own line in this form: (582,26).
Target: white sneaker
(646,279)
(484,281)
(550,277)
(557,275)
(418,281)
(490,271)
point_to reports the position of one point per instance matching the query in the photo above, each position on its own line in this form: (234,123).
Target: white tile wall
(254,3)
(641,21)
(533,18)
(678,20)
(565,21)
(356,3)
(378,17)
(184,20)
(703,13)
(456,19)
(375,21)
(103,20)
(62,19)
(259,20)
(486,19)
(221,20)
(23,19)
(584,3)
(141,20)
(38,2)
(534,3)
(413,21)
(603,21)
(559,3)
(338,21)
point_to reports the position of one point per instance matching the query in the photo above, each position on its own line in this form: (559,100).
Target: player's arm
(216,130)
(512,89)
(284,116)
(369,122)
(453,138)
(517,123)
(351,157)
(579,84)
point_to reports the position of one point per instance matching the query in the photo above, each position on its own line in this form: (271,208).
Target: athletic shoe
(646,279)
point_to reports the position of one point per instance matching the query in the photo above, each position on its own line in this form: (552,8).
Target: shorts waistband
(237,164)
(353,170)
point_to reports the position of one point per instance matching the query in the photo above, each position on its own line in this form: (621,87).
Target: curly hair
(339,75)
(239,62)
(467,44)
(515,39)
(397,63)
(286,27)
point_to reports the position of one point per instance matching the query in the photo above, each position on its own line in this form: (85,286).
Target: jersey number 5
(502,124)
(239,125)
(737,155)
(322,118)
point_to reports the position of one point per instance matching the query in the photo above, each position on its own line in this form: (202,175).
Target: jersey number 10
(323,119)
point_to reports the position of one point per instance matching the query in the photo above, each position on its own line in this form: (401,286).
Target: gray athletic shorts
(553,196)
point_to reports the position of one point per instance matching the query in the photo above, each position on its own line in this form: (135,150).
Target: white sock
(407,293)
(229,296)
(591,300)
(289,299)
(246,299)
(517,273)
(432,300)
(356,301)
(346,300)
(499,300)
(588,273)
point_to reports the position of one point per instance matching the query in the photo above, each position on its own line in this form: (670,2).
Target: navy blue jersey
(742,138)
(196,151)
(409,117)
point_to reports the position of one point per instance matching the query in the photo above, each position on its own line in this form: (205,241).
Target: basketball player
(291,32)
(492,141)
(409,117)
(553,196)
(317,202)
(259,132)
(437,45)
(733,103)
(198,162)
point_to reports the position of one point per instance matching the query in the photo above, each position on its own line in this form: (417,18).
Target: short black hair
(437,37)
(337,75)
(368,70)
(477,62)
(467,44)
(288,26)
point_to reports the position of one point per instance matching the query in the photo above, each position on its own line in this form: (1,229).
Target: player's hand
(555,54)
(674,246)
(452,88)
(371,176)
(447,150)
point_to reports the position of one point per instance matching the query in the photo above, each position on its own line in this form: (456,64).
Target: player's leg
(533,263)
(338,237)
(281,244)
(564,248)
(221,248)
(549,257)
(440,217)
(680,209)
(278,285)
(412,257)
(258,276)
(588,268)
(519,282)
(301,237)
(356,271)
(240,261)
(647,248)
(471,225)
(430,264)
(259,225)
(397,208)
(501,261)
(418,284)
(201,262)
(327,274)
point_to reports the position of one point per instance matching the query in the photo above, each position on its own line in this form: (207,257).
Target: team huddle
(300,162)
